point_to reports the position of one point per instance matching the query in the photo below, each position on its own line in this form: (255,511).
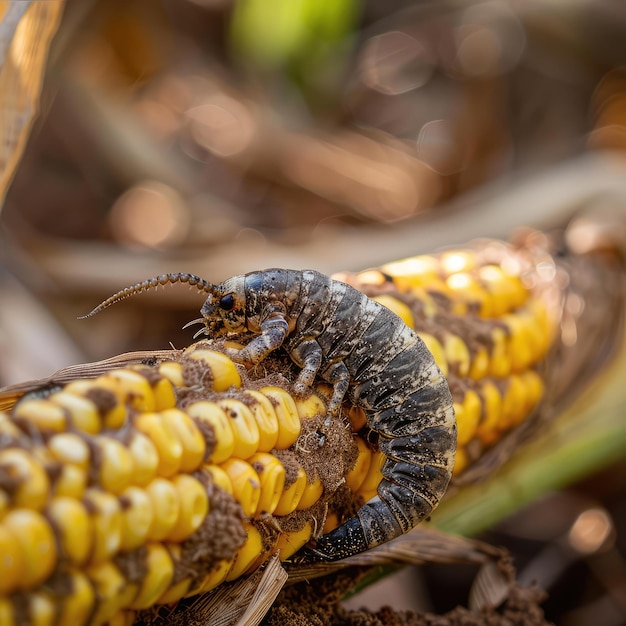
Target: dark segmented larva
(366,352)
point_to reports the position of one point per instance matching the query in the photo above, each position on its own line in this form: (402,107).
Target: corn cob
(149,484)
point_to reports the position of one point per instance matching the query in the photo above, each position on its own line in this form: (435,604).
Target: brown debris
(218,538)
(339,451)
(289,461)
(104,399)
(133,565)
(319,604)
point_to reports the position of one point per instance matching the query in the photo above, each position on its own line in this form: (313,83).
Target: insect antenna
(152,283)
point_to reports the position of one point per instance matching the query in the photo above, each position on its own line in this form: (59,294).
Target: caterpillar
(369,356)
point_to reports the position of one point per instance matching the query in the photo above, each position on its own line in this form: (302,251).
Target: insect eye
(227,302)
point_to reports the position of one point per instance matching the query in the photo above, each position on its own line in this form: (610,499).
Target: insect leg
(308,355)
(274,329)
(338,376)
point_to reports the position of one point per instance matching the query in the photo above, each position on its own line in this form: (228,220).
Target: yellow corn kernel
(429,306)
(115,464)
(467,289)
(8,428)
(75,608)
(216,577)
(507,291)
(175,593)
(194,445)
(178,590)
(331,522)
(41,609)
(70,448)
(249,553)
(291,496)
(137,518)
(310,407)
(167,444)
(134,389)
(173,372)
(224,373)
(194,506)
(367,277)
(519,344)
(500,360)
(287,413)
(530,384)
(145,458)
(73,528)
(45,415)
(71,482)
(417,271)
(266,418)
(436,349)
(106,521)
(83,413)
(158,577)
(213,415)
(244,426)
(545,321)
(459,306)
(357,418)
(246,484)
(456,261)
(165,508)
(32,486)
(220,478)
(290,542)
(537,336)
(374,475)
(480,364)
(311,494)
(7,615)
(106,397)
(467,417)
(367,494)
(272,475)
(123,618)
(457,354)
(11,561)
(461,462)
(110,588)
(398,307)
(5,503)
(492,410)
(356,476)
(533,384)
(37,543)
(513,403)
(164,395)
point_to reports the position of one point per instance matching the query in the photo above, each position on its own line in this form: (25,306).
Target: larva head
(225,308)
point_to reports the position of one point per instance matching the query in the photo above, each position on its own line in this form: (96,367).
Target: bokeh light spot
(223,127)
(394,63)
(590,531)
(150,215)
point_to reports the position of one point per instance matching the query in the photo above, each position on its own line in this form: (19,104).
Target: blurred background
(220,136)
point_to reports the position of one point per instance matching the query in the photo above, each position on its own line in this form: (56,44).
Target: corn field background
(217,137)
